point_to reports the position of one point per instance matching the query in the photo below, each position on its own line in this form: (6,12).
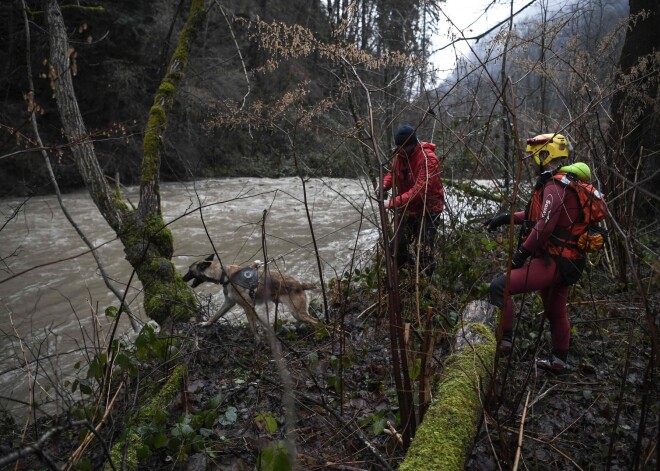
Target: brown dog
(250,286)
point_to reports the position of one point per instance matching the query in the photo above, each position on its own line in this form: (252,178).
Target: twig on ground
(520,432)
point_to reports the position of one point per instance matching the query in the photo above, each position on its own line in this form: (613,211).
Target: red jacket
(418,186)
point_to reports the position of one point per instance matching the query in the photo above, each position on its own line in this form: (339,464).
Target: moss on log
(131,441)
(447,432)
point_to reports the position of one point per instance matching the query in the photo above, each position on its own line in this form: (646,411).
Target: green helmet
(547,147)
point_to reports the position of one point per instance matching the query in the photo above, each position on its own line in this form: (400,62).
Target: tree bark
(633,133)
(446,435)
(124,453)
(147,241)
(82,146)
(157,123)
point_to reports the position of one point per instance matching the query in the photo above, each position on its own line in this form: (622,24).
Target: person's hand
(497,221)
(519,256)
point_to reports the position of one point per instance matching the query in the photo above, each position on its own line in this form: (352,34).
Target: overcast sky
(470,18)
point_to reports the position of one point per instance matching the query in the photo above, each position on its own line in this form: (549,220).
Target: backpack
(590,236)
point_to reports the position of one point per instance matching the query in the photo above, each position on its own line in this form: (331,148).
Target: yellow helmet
(548,147)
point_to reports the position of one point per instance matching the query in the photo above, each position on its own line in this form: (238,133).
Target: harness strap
(224,279)
(564,235)
(246,278)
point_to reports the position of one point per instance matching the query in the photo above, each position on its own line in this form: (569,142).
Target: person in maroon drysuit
(418,196)
(553,210)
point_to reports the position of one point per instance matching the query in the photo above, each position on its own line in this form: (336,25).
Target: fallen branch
(520,432)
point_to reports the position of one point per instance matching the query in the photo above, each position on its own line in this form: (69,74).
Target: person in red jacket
(554,265)
(418,196)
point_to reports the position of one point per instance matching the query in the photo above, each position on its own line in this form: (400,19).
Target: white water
(52,299)
(48,311)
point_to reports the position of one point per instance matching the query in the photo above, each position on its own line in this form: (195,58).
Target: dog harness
(247,278)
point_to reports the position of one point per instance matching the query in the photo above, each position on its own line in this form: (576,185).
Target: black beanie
(405,134)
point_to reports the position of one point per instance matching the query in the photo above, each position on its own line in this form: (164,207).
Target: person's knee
(496,291)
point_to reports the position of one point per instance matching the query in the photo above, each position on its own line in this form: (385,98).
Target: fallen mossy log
(124,453)
(446,434)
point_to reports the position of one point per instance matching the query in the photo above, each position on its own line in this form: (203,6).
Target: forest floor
(229,416)
(588,418)
(601,414)
(333,429)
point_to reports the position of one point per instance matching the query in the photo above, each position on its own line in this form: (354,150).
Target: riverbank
(229,413)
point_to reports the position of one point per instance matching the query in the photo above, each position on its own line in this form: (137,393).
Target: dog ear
(204,265)
(210,257)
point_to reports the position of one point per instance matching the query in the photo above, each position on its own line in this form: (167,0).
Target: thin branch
(97,256)
(238,51)
(482,35)
(355,429)
(520,433)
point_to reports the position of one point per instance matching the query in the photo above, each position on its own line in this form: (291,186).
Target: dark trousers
(410,231)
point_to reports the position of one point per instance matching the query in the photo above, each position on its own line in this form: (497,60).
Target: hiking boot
(553,365)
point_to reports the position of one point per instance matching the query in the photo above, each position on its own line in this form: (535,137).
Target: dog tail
(307,286)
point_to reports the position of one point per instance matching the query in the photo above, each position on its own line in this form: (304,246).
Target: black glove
(519,256)
(497,221)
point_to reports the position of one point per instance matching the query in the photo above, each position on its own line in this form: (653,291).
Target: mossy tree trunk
(147,241)
(445,436)
(124,453)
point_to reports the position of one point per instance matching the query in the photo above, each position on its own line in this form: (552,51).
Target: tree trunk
(124,453)
(147,241)
(446,435)
(634,141)
(82,147)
